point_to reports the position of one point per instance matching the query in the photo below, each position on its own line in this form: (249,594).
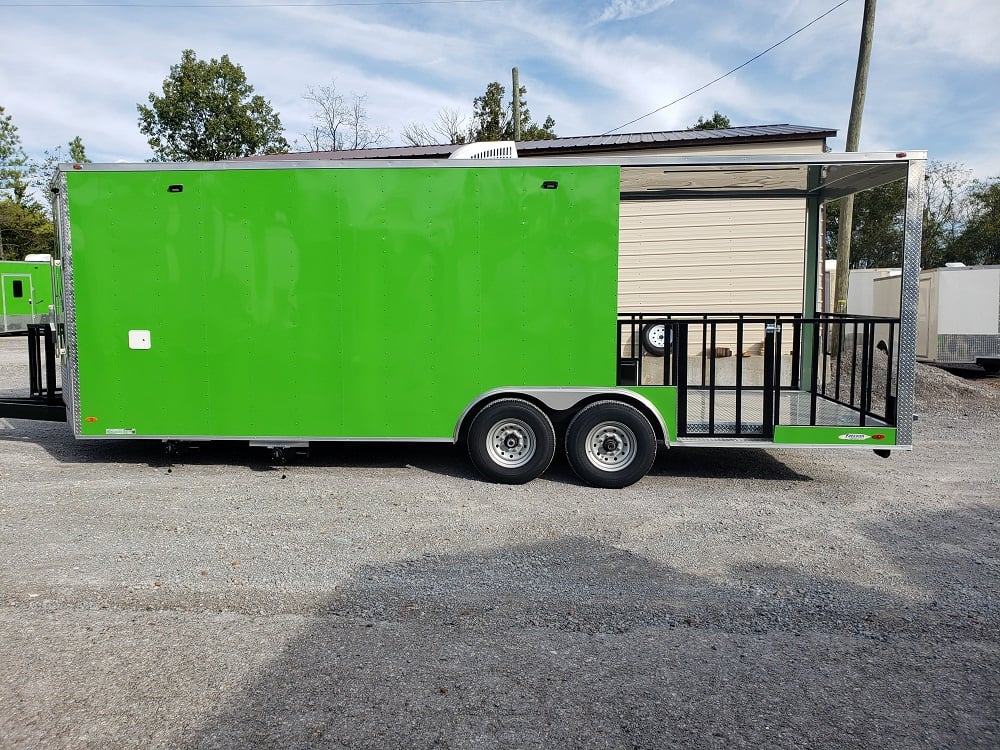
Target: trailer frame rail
(44,401)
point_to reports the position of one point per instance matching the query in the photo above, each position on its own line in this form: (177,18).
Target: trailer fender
(565,400)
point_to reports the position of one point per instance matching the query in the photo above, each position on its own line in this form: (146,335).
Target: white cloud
(622,10)
(932,81)
(956,33)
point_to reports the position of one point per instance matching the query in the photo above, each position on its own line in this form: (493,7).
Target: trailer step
(715,441)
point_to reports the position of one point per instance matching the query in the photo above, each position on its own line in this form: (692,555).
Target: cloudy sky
(72,67)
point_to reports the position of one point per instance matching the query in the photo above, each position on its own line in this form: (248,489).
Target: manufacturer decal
(853,436)
(119,431)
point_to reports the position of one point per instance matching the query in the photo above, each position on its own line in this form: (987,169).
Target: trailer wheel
(511,441)
(610,444)
(655,337)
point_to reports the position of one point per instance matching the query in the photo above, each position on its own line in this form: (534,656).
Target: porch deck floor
(794,410)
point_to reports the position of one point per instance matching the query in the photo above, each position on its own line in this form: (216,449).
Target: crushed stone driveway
(385,597)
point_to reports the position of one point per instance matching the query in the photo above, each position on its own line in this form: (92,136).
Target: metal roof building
(597,144)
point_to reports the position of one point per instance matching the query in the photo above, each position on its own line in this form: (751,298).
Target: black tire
(511,441)
(655,337)
(610,444)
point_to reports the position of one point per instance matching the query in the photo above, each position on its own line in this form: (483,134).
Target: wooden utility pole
(853,136)
(516,105)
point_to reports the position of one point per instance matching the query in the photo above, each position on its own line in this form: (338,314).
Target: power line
(716,80)
(376,3)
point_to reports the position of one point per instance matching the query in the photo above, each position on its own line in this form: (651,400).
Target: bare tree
(452,125)
(328,118)
(947,187)
(418,134)
(449,126)
(340,123)
(358,130)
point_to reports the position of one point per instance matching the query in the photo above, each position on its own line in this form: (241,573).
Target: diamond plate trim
(71,369)
(908,303)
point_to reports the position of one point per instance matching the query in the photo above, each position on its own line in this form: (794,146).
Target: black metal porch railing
(843,381)
(782,368)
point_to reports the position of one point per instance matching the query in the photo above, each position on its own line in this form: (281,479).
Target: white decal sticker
(853,436)
(119,431)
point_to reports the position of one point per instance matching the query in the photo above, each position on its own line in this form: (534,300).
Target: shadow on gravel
(576,644)
(444,459)
(954,555)
(58,441)
(724,463)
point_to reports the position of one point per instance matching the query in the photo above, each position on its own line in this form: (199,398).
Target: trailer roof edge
(826,176)
(825,159)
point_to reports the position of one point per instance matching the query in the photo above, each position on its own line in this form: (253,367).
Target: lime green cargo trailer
(25,292)
(284,303)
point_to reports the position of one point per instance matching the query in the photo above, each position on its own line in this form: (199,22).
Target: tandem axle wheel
(609,443)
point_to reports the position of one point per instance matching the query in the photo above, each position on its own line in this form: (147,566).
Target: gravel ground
(384,597)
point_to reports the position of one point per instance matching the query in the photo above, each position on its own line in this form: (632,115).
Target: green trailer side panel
(336,302)
(665,400)
(868,437)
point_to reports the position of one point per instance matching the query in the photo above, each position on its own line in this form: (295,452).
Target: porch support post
(813,268)
(908,303)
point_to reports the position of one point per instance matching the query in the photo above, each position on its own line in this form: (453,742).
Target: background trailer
(959,316)
(25,293)
(290,302)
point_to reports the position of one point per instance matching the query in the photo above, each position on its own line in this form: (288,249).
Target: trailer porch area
(787,371)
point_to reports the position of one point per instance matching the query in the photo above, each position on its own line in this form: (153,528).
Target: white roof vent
(486,150)
(954,265)
(38,257)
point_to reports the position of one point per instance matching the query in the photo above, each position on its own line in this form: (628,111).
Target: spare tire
(656,336)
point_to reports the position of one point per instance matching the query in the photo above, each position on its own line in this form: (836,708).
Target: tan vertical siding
(715,256)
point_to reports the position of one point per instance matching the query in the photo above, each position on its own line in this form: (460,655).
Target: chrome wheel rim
(511,443)
(611,446)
